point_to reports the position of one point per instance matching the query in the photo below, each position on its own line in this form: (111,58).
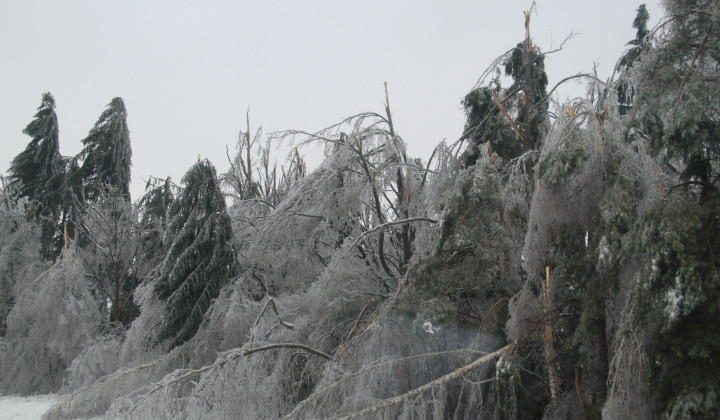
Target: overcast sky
(189,70)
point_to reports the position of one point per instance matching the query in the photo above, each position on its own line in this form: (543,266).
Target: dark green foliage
(676,109)
(37,174)
(472,264)
(71,195)
(677,92)
(680,283)
(625,90)
(201,257)
(580,295)
(107,153)
(557,167)
(525,100)
(518,394)
(40,160)
(526,65)
(154,207)
(486,123)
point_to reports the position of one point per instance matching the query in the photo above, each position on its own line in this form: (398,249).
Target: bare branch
(289,346)
(388,224)
(452,375)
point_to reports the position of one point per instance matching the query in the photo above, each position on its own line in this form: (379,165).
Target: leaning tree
(37,170)
(106,153)
(200,258)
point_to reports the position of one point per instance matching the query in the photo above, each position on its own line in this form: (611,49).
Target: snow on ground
(25,408)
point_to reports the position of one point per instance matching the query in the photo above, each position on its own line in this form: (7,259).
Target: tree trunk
(548,338)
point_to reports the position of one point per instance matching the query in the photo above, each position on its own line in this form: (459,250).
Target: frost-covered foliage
(19,247)
(675,292)
(474,267)
(112,256)
(252,177)
(577,288)
(292,244)
(677,89)
(55,317)
(271,382)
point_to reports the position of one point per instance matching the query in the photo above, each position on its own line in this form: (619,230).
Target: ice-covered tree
(677,111)
(37,173)
(252,176)
(677,93)
(625,90)
(153,207)
(57,314)
(40,160)
(513,120)
(107,154)
(19,247)
(375,187)
(113,256)
(201,257)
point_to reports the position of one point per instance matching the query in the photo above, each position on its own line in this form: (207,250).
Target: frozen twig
(419,390)
(334,385)
(290,346)
(388,224)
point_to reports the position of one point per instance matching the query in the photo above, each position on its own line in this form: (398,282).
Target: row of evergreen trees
(86,198)
(55,185)
(583,237)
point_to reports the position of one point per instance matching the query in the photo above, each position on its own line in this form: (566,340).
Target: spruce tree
(200,258)
(40,160)
(154,207)
(489,108)
(107,153)
(677,109)
(485,122)
(37,172)
(526,65)
(477,260)
(677,92)
(625,91)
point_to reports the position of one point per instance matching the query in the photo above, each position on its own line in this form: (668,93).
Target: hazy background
(188,71)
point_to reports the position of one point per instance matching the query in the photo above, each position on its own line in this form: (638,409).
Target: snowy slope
(25,408)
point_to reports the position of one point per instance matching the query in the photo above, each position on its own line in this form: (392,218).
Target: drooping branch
(388,224)
(419,390)
(576,76)
(289,346)
(271,304)
(381,365)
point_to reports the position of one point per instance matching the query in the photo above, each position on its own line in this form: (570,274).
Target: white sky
(188,70)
